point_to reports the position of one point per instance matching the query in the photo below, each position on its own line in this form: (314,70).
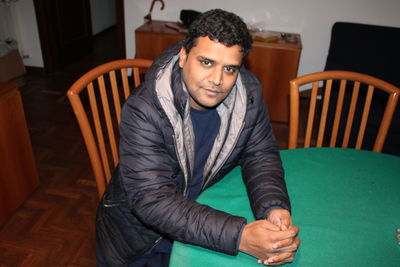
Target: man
(197,115)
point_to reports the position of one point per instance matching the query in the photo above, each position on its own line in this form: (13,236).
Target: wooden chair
(101,93)
(355,92)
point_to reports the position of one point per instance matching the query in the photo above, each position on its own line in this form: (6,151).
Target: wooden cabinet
(18,174)
(152,38)
(275,63)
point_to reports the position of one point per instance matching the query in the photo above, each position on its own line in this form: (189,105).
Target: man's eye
(206,62)
(230,69)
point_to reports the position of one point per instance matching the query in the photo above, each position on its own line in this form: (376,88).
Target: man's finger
(279,259)
(270,226)
(287,245)
(289,233)
(286,223)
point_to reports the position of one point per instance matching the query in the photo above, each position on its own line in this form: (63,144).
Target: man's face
(209,71)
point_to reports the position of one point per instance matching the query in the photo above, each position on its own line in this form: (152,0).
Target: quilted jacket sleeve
(262,167)
(148,175)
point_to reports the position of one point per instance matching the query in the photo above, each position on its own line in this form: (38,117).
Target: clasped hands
(273,241)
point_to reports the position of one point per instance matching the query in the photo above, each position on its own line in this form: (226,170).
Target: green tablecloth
(346,203)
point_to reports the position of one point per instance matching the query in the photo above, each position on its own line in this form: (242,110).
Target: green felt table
(345,201)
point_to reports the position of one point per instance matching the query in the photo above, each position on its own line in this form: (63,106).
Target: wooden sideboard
(274,62)
(18,173)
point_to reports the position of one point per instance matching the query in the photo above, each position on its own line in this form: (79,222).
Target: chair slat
(311,113)
(88,137)
(98,129)
(338,113)
(125,83)
(107,116)
(324,113)
(350,117)
(385,123)
(364,117)
(115,93)
(294,115)
(136,76)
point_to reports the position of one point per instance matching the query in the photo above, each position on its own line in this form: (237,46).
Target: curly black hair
(222,26)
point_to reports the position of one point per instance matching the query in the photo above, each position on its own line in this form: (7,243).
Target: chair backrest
(101,93)
(355,95)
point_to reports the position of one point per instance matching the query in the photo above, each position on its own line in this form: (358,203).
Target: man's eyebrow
(233,66)
(201,58)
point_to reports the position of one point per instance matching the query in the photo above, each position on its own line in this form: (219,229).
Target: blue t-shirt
(206,125)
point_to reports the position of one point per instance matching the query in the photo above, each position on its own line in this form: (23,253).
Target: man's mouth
(213,91)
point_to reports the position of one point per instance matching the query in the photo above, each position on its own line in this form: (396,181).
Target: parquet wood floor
(55,226)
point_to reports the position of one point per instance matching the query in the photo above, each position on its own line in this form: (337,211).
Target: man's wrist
(240,236)
(267,212)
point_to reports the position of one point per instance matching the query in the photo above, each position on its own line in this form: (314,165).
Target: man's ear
(182,57)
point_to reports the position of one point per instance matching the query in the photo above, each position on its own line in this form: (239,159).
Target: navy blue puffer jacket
(146,199)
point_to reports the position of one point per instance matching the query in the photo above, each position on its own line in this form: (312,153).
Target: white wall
(313,19)
(6,31)
(103,15)
(22,26)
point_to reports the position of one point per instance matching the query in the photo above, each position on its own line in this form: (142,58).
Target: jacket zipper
(155,244)
(226,158)
(182,167)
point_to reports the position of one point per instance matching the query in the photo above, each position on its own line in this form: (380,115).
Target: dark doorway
(65,31)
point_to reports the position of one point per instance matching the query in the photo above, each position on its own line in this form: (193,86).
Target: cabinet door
(275,67)
(152,38)
(149,46)
(18,174)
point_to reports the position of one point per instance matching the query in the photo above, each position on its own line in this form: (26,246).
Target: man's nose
(216,77)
